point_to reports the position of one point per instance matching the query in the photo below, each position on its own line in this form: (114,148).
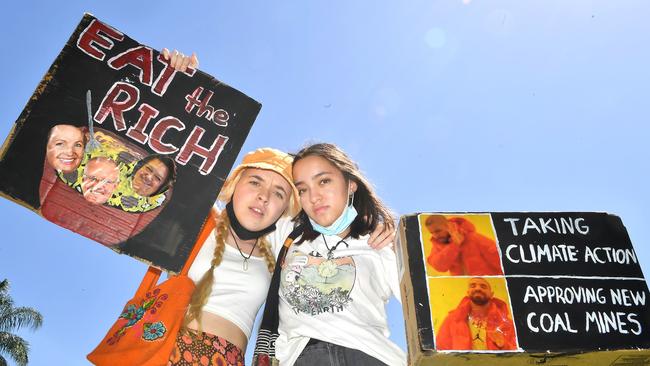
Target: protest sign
(119,147)
(565,287)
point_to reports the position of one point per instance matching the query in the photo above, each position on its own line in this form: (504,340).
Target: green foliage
(13,318)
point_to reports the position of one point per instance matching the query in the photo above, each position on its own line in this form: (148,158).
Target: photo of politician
(65,147)
(112,172)
(89,180)
(101,176)
(147,184)
(471,314)
(152,175)
(459,245)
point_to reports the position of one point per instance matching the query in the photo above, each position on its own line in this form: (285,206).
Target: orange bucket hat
(268,159)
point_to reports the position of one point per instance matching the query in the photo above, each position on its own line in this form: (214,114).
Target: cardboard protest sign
(119,147)
(497,288)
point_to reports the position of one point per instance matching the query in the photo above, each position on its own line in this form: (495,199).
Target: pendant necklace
(328,267)
(245,263)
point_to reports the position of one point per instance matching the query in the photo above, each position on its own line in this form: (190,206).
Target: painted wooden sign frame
(119,147)
(569,286)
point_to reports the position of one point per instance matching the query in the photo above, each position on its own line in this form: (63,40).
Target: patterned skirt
(204,349)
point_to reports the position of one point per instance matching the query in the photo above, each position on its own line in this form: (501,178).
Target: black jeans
(319,353)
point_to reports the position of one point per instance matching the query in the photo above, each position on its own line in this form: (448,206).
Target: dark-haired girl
(334,286)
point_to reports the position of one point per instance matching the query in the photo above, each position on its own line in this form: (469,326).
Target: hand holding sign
(179,61)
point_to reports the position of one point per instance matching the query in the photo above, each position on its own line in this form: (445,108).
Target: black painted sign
(534,282)
(578,313)
(119,147)
(577,244)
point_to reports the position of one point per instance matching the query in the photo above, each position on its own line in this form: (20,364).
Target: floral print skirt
(204,349)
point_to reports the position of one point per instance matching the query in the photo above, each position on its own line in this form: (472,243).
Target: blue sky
(460,105)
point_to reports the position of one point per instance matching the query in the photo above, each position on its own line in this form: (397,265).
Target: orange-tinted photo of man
(458,248)
(479,322)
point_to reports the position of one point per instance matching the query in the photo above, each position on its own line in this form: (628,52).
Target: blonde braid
(265,250)
(204,286)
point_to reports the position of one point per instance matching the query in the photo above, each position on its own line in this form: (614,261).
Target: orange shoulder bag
(145,332)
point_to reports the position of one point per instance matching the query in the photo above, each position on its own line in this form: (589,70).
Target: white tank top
(236,295)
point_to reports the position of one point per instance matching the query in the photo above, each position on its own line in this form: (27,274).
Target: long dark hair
(371,211)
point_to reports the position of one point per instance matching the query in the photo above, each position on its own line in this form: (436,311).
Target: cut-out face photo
(151,176)
(99,180)
(65,147)
(145,184)
(87,179)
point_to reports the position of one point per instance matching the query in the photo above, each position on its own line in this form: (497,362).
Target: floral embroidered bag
(145,332)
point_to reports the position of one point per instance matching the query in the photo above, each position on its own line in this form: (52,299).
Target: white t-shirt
(237,295)
(341,301)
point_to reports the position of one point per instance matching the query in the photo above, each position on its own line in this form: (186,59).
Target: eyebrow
(314,177)
(277,186)
(262,179)
(258,177)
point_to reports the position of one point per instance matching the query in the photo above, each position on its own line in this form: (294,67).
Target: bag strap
(152,276)
(149,280)
(265,345)
(208,226)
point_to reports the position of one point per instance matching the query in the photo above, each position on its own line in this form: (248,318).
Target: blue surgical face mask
(341,223)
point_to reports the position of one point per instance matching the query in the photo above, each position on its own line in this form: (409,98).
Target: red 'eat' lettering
(90,37)
(141,57)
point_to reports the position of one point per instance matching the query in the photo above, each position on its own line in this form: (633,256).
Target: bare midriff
(221,327)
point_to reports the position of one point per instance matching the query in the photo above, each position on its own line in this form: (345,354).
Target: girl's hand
(382,236)
(179,61)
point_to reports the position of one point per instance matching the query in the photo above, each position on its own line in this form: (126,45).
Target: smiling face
(322,188)
(99,180)
(479,291)
(65,148)
(260,198)
(150,177)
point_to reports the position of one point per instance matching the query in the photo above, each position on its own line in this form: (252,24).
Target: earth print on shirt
(313,285)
